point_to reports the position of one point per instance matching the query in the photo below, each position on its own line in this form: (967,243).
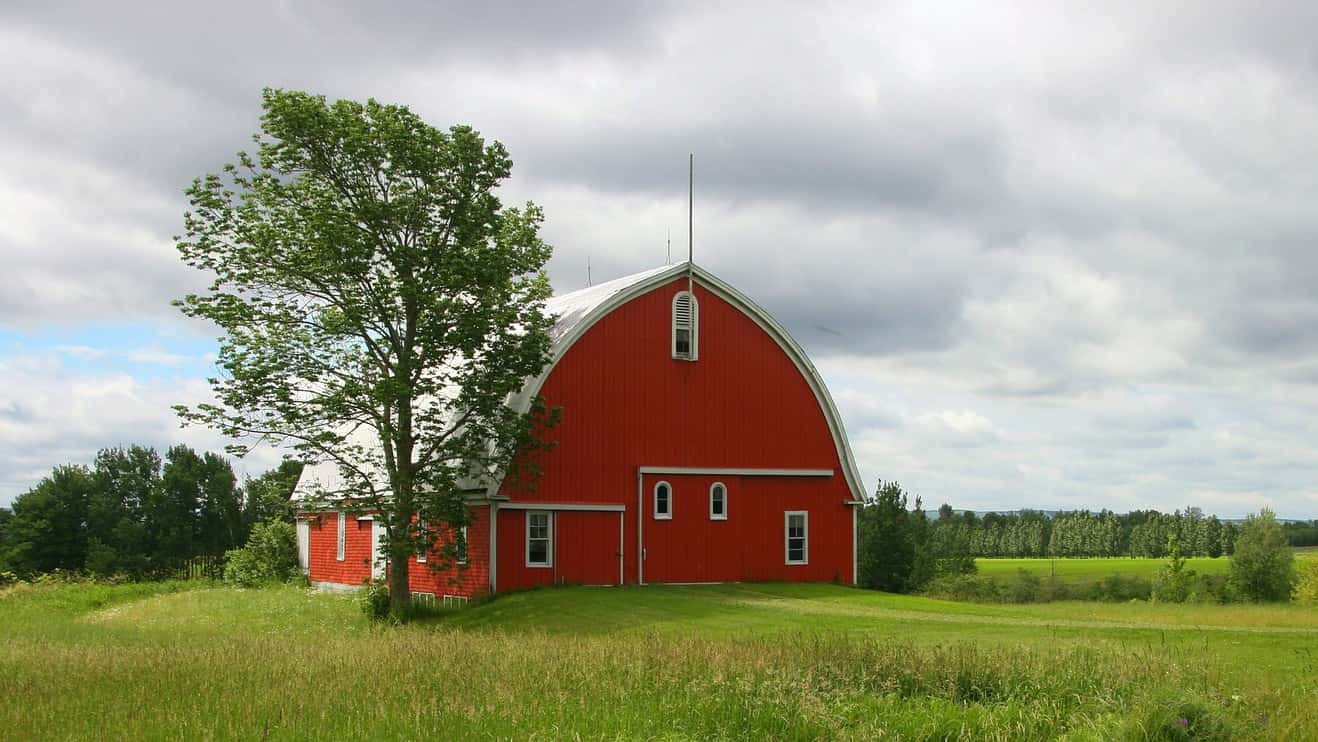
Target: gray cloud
(1091,229)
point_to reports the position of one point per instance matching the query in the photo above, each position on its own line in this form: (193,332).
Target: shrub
(964,588)
(1306,580)
(1262,567)
(1173,583)
(269,556)
(1022,588)
(375,600)
(1118,588)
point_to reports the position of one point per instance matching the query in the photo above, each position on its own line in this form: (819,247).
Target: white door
(377,558)
(304,546)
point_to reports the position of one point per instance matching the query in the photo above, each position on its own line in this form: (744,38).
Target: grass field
(733,661)
(1080,570)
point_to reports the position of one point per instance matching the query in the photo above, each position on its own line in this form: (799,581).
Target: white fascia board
(699,471)
(581,506)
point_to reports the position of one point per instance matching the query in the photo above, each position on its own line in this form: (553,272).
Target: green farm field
(1081,570)
(701,662)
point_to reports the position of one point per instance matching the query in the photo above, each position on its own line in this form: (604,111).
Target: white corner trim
(589,507)
(702,471)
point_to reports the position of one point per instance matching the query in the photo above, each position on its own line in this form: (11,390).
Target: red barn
(697,443)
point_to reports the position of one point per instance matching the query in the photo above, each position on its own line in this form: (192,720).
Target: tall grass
(285,664)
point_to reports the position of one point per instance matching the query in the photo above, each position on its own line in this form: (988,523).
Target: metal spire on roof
(690,220)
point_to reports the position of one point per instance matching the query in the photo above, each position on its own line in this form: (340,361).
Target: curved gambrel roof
(578,311)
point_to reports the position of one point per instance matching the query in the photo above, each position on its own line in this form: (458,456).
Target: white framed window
(718,501)
(686,326)
(796,536)
(426,599)
(342,535)
(421,549)
(462,547)
(663,501)
(539,539)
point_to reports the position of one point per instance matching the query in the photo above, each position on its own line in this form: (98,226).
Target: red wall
(470,581)
(626,403)
(585,550)
(355,568)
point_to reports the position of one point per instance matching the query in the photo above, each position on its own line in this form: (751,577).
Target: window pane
(539,552)
(683,343)
(796,551)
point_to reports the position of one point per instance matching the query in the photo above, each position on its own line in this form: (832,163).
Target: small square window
(797,536)
(539,539)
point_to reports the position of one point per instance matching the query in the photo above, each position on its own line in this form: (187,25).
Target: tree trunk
(400,596)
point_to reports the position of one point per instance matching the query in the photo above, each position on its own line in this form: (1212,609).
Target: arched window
(718,501)
(686,326)
(663,501)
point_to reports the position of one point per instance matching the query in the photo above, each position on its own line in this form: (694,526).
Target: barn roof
(577,311)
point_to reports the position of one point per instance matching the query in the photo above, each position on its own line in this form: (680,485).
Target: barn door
(304,545)
(377,558)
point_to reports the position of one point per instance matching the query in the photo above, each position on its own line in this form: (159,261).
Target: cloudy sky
(1045,256)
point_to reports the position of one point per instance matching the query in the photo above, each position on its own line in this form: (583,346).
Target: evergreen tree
(887,551)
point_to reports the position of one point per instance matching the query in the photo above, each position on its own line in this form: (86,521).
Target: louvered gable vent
(686,311)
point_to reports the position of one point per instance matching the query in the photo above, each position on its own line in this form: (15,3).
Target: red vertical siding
(324,565)
(585,550)
(751,543)
(627,403)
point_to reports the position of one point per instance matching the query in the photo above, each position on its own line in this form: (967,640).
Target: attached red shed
(697,443)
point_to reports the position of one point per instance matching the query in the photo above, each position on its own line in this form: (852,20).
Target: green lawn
(1080,570)
(732,661)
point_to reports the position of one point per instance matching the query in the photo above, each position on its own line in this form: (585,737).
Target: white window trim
(342,539)
(421,533)
(695,328)
(712,514)
(654,495)
(549,539)
(466,548)
(787,538)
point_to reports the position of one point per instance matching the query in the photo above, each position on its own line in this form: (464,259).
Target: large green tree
(48,528)
(1263,566)
(379,307)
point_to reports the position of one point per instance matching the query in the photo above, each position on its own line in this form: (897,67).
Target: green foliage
(375,601)
(1174,583)
(46,531)
(1306,580)
(127,515)
(379,306)
(1262,567)
(722,662)
(887,548)
(270,555)
(268,496)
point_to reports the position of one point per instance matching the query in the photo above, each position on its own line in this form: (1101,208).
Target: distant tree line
(133,513)
(1083,533)
(902,549)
